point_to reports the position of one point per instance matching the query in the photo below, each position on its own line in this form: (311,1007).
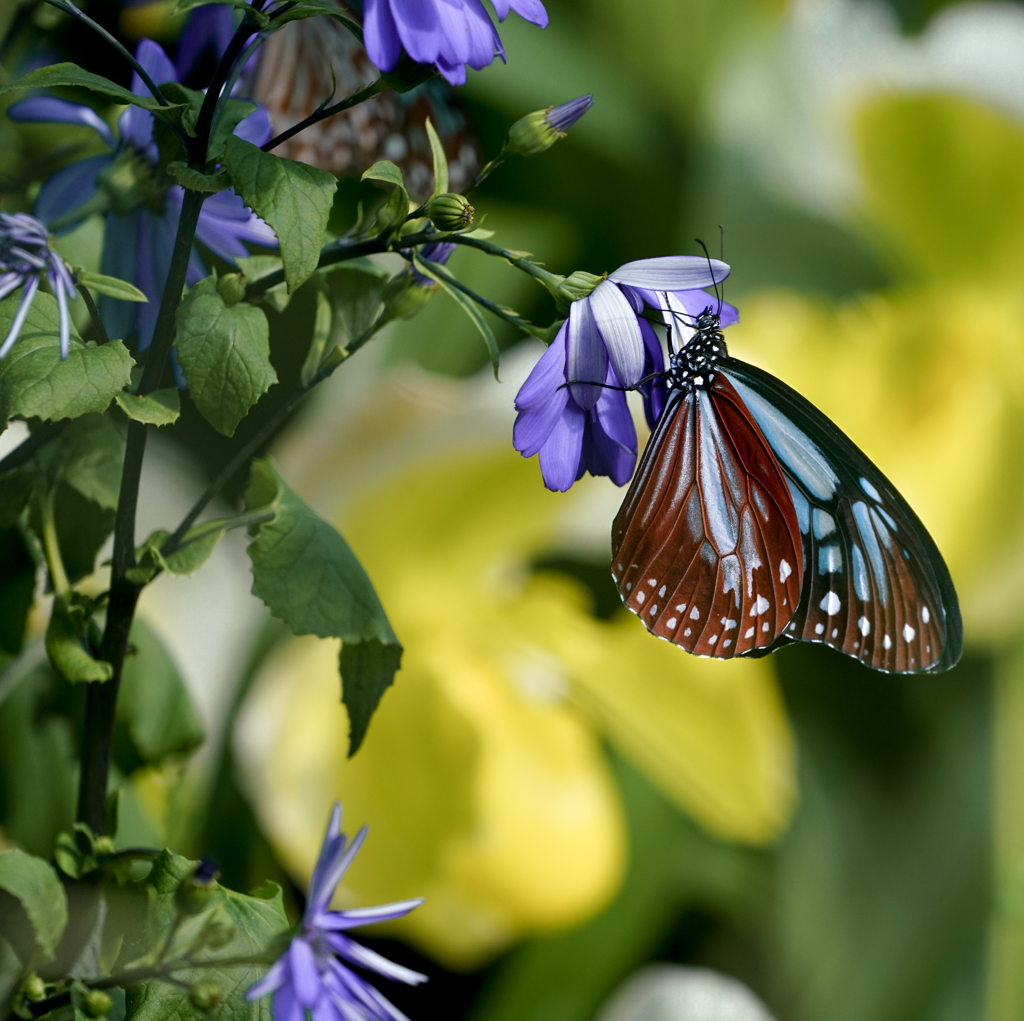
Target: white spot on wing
(886,642)
(870,490)
(681,608)
(925,615)
(835,631)
(830,560)
(640,597)
(819,629)
(712,639)
(727,643)
(784,570)
(760,606)
(687,633)
(651,582)
(830,604)
(729,624)
(749,633)
(908,632)
(670,623)
(824,523)
(764,626)
(865,626)
(629,586)
(661,591)
(695,614)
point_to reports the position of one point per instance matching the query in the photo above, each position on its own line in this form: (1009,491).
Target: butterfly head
(694,365)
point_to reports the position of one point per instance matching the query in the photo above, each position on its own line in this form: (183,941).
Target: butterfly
(293,77)
(753,521)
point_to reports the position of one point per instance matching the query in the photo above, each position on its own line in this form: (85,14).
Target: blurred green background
(867,163)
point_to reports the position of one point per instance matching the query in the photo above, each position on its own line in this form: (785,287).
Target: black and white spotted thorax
(694,366)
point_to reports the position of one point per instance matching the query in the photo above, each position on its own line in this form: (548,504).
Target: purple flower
(578,426)
(141,212)
(25,257)
(439,252)
(561,118)
(309,975)
(446,33)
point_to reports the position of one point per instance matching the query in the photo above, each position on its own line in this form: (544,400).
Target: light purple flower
(561,118)
(141,214)
(25,257)
(446,33)
(309,975)
(565,415)
(439,252)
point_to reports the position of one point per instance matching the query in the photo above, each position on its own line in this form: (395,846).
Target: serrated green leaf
(71,75)
(154,712)
(440,161)
(113,287)
(437,274)
(318,345)
(34,883)
(65,644)
(233,112)
(36,383)
(161,407)
(224,352)
(196,546)
(386,171)
(356,292)
(393,213)
(82,529)
(254,268)
(259,923)
(195,181)
(87,456)
(295,199)
(308,577)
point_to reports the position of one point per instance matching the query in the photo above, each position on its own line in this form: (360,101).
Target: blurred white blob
(785,101)
(671,992)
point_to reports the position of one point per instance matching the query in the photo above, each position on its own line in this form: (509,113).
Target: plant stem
(51,546)
(357,97)
(549,280)
(94,312)
(70,8)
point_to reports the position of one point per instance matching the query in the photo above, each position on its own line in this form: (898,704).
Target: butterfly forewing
(875,585)
(706,548)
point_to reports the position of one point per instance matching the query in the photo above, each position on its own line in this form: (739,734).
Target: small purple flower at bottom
(25,257)
(309,975)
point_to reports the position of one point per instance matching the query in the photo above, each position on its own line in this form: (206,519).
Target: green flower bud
(103,845)
(205,995)
(575,286)
(538,131)
(450,212)
(96,1003)
(34,988)
(196,892)
(231,287)
(128,182)
(406,294)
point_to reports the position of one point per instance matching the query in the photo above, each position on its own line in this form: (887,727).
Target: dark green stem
(549,280)
(357,97)
(94,312)
(70,8)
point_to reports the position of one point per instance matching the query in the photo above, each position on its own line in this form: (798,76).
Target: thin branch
(69,8)
(357,97)
(94,312)
(26,450)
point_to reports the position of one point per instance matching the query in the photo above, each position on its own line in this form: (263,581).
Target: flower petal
(370,959)
(383,45)
(50,110)
(530,10)
(69,188)
(305,974)
(547,375)
(256,128)
(587,355)
(560,455)
(620,330)
(671,272)
(121,259)
(654,391)
(27,297)
(286,1006)
(271,981)
(351,918)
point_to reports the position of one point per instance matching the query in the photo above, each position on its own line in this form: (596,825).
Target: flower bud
(196,892)
(450,212)
(205,995)
(34,988)
(538,131)
(96,1003)
(406,294)
(575,286)
(231,287)
(128,182)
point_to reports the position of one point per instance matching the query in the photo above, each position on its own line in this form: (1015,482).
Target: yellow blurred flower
(482,777)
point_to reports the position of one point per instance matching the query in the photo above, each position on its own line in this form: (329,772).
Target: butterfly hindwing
(875,585)
(706,548)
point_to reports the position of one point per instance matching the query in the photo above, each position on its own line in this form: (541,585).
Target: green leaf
(308,577)
(311,8)
(356,292)
(87,456)
(161,407)
(256,922)
(254,268)
(295,199)
(65,644)
(154,712)
(318,345)
(232,114)
(73,76)
(36,383)
(386,171)
(436,273)
(82,529)
(440,161)
(35,884)
(187,103)
(393,213)
(183,6)
(224,352)
(195,181)
(15,489)
(113,287)
(17,588)
(196,546)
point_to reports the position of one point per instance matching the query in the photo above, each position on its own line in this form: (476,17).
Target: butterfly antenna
(707,255)
(721,256)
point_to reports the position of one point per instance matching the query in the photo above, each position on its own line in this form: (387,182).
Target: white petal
(587,358)
(671,272)
(618,324)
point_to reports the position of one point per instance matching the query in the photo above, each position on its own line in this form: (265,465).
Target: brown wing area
(864,593)
(294,76)
(706,547)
